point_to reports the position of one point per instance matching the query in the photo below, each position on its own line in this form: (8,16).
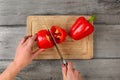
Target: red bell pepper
(44,39)
(82,28)
(58,33)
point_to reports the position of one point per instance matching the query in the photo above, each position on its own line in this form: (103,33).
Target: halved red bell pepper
(81,28)
(44,39)
(58,33)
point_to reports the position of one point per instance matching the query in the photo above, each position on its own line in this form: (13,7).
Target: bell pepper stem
(92,18)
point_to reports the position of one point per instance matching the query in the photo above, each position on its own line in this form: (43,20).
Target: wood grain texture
(106,41)
(70,49)
(13,14)
(9,38)
(107,11)
(96,69)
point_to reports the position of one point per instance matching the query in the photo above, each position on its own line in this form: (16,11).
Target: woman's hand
(24,54)
(69,73)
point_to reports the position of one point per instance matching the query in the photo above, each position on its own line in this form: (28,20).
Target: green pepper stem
(92,18)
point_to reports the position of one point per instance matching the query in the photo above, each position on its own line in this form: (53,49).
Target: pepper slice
(81,28)
(44,40)
(58,33)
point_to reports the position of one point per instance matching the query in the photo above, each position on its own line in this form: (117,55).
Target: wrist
(17,65)
(10,72)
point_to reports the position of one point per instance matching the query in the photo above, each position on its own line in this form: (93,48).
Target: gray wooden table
(106,62)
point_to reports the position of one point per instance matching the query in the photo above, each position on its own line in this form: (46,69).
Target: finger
(38,51)
(64,71)
(80,76)
(31,40)
(24,39)
(70,66)
(34,37)
(35,50)
(76,72)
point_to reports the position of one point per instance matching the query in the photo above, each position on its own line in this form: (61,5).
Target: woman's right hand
(69,73)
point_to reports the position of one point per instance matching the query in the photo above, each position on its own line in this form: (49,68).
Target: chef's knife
(59,52)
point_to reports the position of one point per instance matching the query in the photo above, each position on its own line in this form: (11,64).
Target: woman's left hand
(24,53)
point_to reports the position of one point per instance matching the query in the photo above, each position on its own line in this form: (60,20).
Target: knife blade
(56,46)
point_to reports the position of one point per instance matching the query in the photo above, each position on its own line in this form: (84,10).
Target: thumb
(37,52)
(64,71)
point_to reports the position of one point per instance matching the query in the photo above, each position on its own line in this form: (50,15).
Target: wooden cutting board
(71,49)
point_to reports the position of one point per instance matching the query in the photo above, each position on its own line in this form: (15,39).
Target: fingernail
(43,49)
(63,65)
(35,39)
(35,33)
(70,62)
